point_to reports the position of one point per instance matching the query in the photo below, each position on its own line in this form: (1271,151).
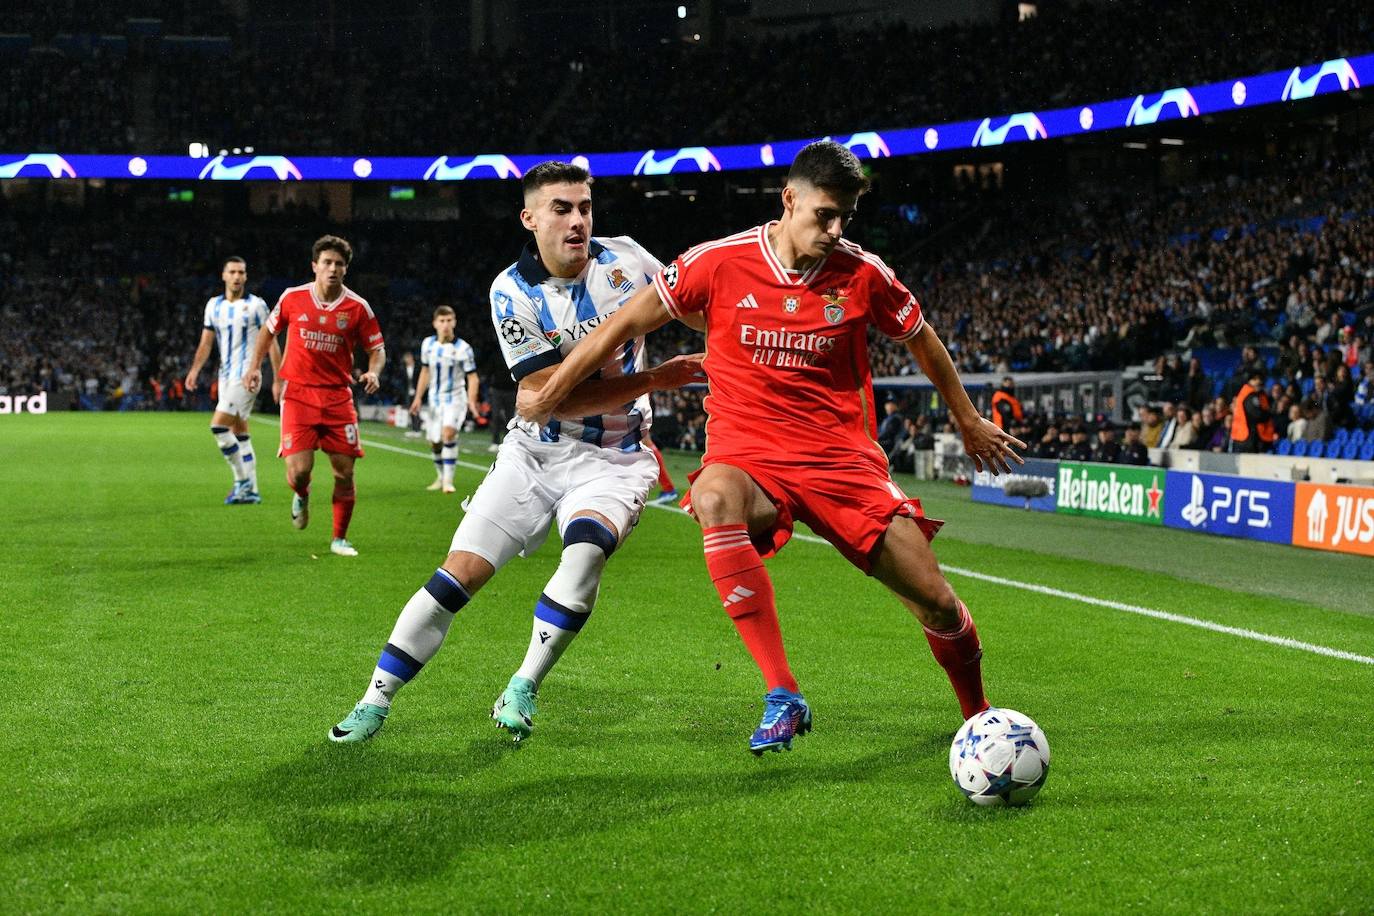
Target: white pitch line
(1039,589)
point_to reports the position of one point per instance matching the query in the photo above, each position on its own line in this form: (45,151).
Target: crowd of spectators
(353,97)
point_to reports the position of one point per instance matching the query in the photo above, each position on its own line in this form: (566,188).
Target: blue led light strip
(1332,76)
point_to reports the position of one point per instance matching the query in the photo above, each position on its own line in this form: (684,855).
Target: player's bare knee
(714,506)
(471,571)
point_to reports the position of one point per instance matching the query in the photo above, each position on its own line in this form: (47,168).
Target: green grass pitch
(171,666)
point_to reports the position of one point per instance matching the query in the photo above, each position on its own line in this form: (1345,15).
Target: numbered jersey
(540,318)
(235,325)
(448,364)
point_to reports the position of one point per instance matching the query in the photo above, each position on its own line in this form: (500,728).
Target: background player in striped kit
(232,320)
(445,362)
(585,471)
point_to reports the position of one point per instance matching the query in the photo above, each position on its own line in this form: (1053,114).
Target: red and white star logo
(1154,493)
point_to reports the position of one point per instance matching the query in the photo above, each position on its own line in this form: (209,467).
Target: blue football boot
(785,716)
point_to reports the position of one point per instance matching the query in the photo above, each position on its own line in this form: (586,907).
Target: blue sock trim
(450,462)
(228,450)
(584,530)
(450,445)
(550,611)
(242,438)
(398,662)
(219,429)
(448,591)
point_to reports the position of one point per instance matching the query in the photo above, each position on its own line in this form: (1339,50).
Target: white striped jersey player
(235,324)
(539,318)
(448,364)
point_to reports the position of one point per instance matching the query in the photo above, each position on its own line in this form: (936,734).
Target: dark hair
(444,311)
(331,243)
(554,172)
(830,166)
(233,259)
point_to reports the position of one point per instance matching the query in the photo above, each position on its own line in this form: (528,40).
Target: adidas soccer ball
(999,757)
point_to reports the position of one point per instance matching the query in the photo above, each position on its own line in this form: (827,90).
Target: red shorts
(850,505)
(312,422)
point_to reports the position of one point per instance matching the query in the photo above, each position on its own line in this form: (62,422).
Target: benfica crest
(342,322)
(834,312)
(790,304)
(286,441)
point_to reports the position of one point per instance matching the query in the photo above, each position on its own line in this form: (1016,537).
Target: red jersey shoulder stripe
(855,251)
(739,238)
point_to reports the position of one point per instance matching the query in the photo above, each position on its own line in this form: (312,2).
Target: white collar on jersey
(326,306)
(785,276)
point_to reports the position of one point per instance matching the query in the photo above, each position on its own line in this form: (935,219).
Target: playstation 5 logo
(1027,121)
(1241,506)
(283,168)
(1298,88)
(1181,99)
(57,166)
(440,170)
(1195,513)
(700,156)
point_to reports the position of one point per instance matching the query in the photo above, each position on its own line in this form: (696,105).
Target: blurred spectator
(1133,450)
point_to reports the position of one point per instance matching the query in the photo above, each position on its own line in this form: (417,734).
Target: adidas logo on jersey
(748,302)
(302,318)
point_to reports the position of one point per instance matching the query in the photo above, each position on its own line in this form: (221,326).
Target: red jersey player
(790,437)
(325,322)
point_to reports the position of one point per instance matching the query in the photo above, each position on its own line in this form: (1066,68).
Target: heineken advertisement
(1124,492)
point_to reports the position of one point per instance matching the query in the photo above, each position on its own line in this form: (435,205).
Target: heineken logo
(1128,494)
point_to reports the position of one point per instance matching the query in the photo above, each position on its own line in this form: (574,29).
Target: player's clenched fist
(252,379)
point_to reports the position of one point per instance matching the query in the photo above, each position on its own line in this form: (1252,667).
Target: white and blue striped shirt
(236,325)
(539,318)
(448,364)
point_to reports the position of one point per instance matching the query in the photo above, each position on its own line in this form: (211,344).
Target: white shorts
(235,399)
(449,416)
(533,484)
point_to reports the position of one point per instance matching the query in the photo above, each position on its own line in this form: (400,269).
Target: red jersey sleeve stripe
(665,296)
(914,331)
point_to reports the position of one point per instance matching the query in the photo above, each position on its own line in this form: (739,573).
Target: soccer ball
(999,757)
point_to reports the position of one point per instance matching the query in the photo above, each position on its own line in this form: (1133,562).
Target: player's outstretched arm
(988,446)
(207,340)
(594,396)
(642,314)
(252,378)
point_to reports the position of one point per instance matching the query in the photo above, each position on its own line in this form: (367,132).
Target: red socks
(344,497)
(960,654)
(665,481)
(747,594)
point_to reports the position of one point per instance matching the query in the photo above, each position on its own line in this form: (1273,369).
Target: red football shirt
(321,337)
(786,351)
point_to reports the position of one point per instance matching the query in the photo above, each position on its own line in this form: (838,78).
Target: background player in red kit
(790,435)
(325,322)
